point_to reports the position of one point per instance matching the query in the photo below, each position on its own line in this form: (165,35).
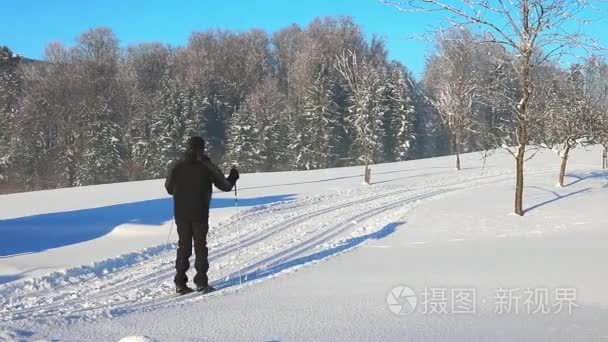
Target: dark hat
(196,144)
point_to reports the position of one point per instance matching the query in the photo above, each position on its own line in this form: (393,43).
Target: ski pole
(238,230)
(169,236)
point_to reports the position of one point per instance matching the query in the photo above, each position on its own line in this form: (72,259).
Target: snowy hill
(91,263)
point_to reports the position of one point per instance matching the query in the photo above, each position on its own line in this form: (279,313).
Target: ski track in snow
(271,235)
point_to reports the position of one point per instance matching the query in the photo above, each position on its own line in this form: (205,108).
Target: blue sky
(28,26)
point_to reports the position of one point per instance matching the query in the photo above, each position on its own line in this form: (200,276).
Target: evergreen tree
(270,107)
(26,143)
(10,89)
(399,115)
(313,136)
(140,75)
(279,154)
(245,140)
(139,135)
(101,158)
(178,115)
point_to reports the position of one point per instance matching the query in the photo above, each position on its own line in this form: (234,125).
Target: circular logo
(401,300)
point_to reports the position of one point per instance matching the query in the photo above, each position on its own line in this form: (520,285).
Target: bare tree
(365,85)
(95,60)
(534,30)
(595,70)
(451,80)
(565,108)
(579,111)
(602,130)
(599,126)
(288,46)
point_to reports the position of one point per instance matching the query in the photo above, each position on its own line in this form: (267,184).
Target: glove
(234,175)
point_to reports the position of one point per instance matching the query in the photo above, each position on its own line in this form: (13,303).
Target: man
(189,182)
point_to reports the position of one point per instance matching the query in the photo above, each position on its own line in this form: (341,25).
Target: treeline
(476,89)
(302,98)
(95,113)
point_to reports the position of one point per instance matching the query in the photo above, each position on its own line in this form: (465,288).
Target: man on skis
(189,181)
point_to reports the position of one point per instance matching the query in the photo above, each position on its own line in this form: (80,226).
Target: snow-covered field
(318,256)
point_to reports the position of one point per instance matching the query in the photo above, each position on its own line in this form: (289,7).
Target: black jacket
(189,181)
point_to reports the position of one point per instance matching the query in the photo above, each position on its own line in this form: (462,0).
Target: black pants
(187,232)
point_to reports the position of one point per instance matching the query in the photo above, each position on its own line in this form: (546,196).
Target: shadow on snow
(556,198)
(36,233)
(579,177)
(583,176)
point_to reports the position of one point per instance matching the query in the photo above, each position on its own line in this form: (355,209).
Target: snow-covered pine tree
(313,135)
(245,140)
(271,108)
(399,115)
(139,133)
(101,157)
(425,127)
(215,115)
(497,86)
(279,155)
(10,88)
(260,140)
(27,141)
(178,115)
(36,129)
(140,75)
(149,131)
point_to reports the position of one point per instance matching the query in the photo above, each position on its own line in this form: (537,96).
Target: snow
(137,339)
(319,254)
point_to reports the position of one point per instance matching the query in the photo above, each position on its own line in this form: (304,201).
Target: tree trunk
(367,175)
(522,108)
(522,137)
(562,171)
(456,148)
(519,183)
